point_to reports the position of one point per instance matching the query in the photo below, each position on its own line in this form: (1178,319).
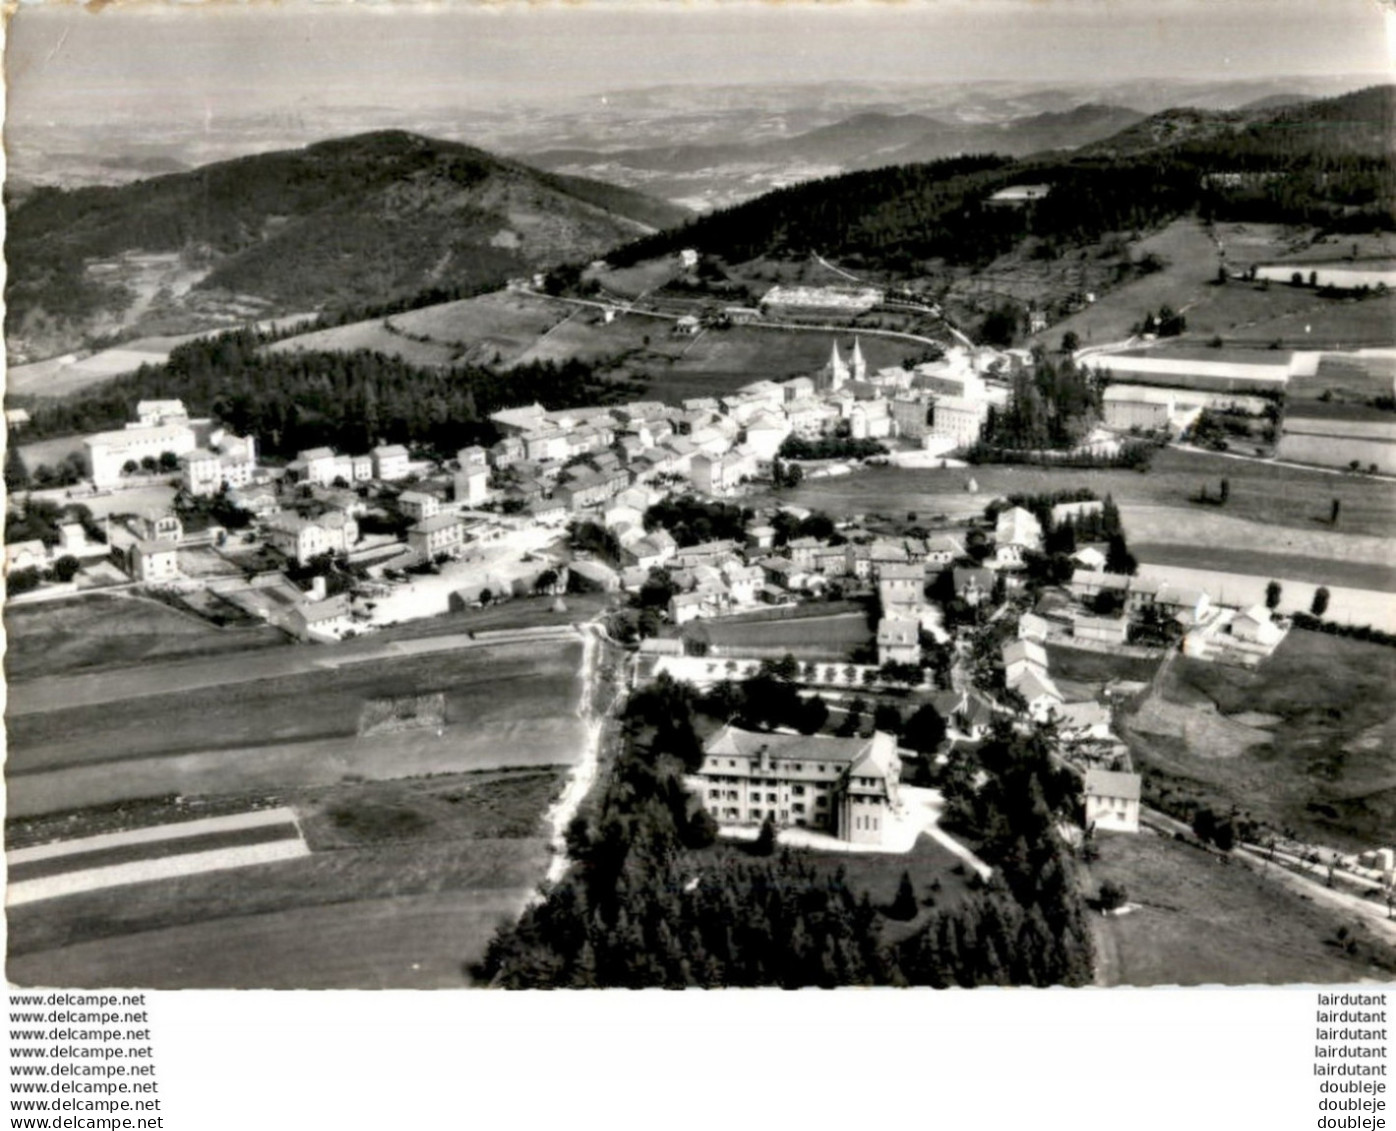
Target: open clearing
(1318,770)
(505,705)
(102,631)
(1233,559)
(406,883)
(1201,921)
(1238,312)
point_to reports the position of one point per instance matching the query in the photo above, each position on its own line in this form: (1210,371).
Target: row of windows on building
(734,795)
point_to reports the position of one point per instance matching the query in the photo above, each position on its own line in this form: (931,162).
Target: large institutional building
(843,786)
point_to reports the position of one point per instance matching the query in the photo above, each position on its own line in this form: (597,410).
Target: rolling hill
(868,140)
(1325,163)
(350,221)
(1359,124)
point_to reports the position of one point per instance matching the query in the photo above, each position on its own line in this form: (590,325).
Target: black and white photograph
(700,496)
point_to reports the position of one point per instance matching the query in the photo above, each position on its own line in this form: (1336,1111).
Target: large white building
(1112,801)
(844,786)
(107,453)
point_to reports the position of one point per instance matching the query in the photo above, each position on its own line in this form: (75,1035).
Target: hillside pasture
(1198,919)
(1321,767)
(101,631)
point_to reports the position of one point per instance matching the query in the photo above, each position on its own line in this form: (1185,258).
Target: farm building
(1016,196)
(1342,276)
(1218,370)
(820,300)
(1129,407)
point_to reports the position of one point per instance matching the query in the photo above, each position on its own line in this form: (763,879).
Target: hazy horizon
(73,66)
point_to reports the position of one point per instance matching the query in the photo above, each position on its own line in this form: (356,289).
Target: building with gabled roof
(847,787)
(1112,801)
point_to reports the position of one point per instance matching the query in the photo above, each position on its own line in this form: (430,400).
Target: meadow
(103,631)
(1201,919)
(1301,742)
(404,887)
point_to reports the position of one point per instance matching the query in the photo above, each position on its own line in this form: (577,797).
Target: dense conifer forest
(350,401)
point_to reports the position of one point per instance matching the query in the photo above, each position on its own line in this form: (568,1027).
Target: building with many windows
(847,787)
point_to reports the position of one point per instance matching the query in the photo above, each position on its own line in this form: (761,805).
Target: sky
(68,63)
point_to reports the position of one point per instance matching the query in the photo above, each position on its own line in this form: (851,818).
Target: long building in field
(847,787)
(1218,370)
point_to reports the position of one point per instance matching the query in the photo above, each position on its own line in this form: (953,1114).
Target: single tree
(66,568)
(1334,511)
(924,731)
(1225,491)
(1272,595)
(766,839)
(904,905)
(1112,896)
(1224,836)
(1319,605)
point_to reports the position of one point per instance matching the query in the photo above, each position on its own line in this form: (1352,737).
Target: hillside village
(642,575)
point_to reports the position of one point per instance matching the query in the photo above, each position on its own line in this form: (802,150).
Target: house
(1082,722)
(1089,584)
(1184,603)
(418,505)
(898,640)
(1112,801)
(547,512)
(1020,655)
(442,534)
(847,787)
(901,586)
(1089,558)
(301,539)
(1256,626)
(648,553)
(390,462)
(1020,528)
(154,561)
(1038,692)
(801,551)
(684,607)
(1102,630)
(327,618)
(1032,627)
(760,537)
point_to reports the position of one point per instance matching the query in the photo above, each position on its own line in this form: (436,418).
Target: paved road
(54,693)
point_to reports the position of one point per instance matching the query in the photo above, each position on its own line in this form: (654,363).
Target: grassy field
(1293,498)
(1203,921)
(1302,742)
(99,631)
(1080,666)
(484,687)
(406,883)
(836,635)
(1294,567)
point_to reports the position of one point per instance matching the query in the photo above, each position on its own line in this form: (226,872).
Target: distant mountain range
(357,220)
(867,140)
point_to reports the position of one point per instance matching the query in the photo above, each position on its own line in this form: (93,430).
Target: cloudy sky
(65,62)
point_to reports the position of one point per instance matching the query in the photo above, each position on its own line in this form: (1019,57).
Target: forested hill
(358,219)
(1326,162)
(1359,124)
